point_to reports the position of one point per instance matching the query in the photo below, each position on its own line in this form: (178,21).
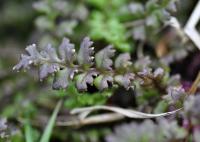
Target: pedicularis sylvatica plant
(91,80)
(84,67)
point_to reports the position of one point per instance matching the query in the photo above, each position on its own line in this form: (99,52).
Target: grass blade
(28,132)
(48,130)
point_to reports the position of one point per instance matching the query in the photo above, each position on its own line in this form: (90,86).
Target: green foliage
(17,137)
(109,29)
(161,107)
(106,25)
(77,99)
(146,95)
(104,5)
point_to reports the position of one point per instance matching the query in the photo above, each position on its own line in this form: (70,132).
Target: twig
(96,119)
(140,49)
(194,87)
(119,113)
(126,112)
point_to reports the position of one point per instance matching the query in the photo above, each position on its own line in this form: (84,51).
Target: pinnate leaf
(67,51)
(125,80)
(63,78)
(123,60)
(84,55)
(101,82)
(85,78)
(26,60)
(47,69)
(102,58)
(50,54)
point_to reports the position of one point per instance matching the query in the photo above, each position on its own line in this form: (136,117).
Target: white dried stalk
(95,119)
(190,29)
(126,112)
(116,114)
